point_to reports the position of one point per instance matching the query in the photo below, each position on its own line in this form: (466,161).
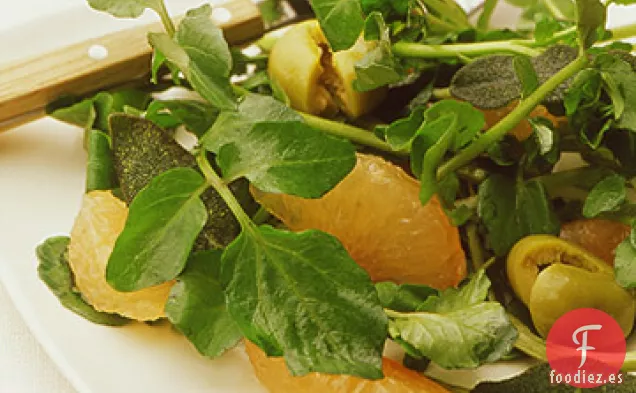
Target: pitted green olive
(561,288)
(553,277)
(316,80)
(532,253)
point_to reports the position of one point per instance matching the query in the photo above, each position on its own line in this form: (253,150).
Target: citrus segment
(273,374)
(599,237)
(377,215)
(99,222)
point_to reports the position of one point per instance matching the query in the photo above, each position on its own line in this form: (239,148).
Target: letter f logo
(583,343)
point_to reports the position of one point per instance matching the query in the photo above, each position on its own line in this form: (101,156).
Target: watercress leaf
(526,75)
(401,132)
(545,29)
(474,292)
(288,157)
(606,196)
(542,148)
(301,296)
(127,8)
(490,82)
(435,154)
(625,262)
(591,17)
(585,90)
(231,126)
(511,211)
(81,114)
(470,121)
(56,273)
(100,170)
(458,329)
(196,116)
(163,222)
(619,79)
(196,306)
(403,297)
(378,67)
(340,20)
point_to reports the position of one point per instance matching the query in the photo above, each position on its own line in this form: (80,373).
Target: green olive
(552,277)
(562,288)
(315,79)
(533,252)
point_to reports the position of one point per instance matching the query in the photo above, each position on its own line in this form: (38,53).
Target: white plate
(42,178)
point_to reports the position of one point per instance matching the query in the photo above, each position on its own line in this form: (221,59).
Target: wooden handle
(26,87)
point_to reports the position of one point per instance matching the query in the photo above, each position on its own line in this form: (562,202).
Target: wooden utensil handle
(26,87)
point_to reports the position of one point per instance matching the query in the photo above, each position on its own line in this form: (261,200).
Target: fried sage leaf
(56,273)
(143,151)
(491,82)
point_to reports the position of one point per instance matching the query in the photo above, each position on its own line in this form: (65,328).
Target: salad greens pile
(239,273)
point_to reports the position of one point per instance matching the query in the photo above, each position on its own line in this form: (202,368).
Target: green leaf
(490,82)
(526,75)
(511,211)
(401,132)
(625,262)
(201,53)
(196,116)
(287,157)
(470,121)
(301,296)
(81,114)
(231,126)
(404,297)
(100,170)
(619,79)
(340,20)
(542,149)
(378,67)
(606,196)
(545,30)
(196,306)
(56,274)
(591,17)
(473,293)
(456,329)
(163,222)
(127,8)
(142,151)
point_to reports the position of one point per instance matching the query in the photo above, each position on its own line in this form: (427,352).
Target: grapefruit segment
(599,237)
(377,215)
(97,226)
(273,374)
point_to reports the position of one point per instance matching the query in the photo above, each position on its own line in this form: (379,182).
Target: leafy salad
(390,171)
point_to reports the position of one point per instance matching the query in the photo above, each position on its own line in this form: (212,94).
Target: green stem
(354,134)
(423,51)
(474,246)
(527,342)
(521,112)
(213,179)
(623,32)
(261,216)
(486,14)
(165,19)
(442,93)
